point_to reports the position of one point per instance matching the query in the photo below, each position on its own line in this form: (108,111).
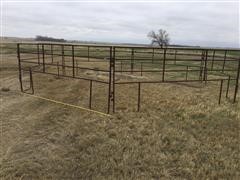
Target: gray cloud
(206,24)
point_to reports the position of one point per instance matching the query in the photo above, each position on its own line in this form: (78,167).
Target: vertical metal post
(63,60)
(229,77)
(19,67)
(237,82)
(224,60)
(152,55)
(31,80)
(200,73)
(90,95)
(132,59)
(52,53)
(110,81)
(213,58)
(163,69)
(88,52)
(201,67)
(220,92)
(187,74)
(139,94)
(58,68)
(38,53)
(175,57)
(73,62)
(43,56)
(77,68)
(121,66)
(205,66)
(113,92)
(202,57)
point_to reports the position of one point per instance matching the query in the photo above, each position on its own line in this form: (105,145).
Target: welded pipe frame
(112,66)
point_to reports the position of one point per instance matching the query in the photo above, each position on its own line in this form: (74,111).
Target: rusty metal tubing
(29,70)
(134,56)
(200,73)
(224,60)
(31,80)
(172,59)
(121,67)
(166,70)
(110,81)
(95,61)
(169,53)
(67,44)
(113,93)
(187,73)
(132,59)
(170,81)
(180,54)
(175,57)
(73,62)
(163,69)
(152,55)
(58,72)
(205,65)
(92,69)
(170,70)
(159,62)
(77,69)
(63,60)
(38,54)
(237,82)
(43,58)
(35,66)
(136,47)
(139,96)
(213,57)
(19,67)
(177,48)
(149,58)
(102,70)
(51,46)
(66,76)
(228,83)
(31,58)
(90,95)
(88,52)
(201,66)
(220,92)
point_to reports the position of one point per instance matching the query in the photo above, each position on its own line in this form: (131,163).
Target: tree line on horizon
(158,38)
(46,38)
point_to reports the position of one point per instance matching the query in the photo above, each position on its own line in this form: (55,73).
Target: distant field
(141,56)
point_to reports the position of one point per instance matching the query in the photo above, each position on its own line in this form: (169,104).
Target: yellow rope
(66,104)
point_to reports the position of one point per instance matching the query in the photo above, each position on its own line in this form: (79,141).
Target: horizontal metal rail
(171,59)
(60,75)
(131,47)
(67,66)
(170,70)
(168,81)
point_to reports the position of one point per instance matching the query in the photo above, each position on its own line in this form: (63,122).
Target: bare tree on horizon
(161,38)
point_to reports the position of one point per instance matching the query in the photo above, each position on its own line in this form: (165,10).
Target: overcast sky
(202,23)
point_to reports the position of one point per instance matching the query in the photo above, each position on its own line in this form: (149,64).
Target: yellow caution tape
(66,104)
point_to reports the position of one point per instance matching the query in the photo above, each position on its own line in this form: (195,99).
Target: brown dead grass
(180,133)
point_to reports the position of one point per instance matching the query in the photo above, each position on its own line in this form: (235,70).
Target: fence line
(144,60)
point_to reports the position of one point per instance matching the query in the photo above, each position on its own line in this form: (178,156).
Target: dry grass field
(180,133)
